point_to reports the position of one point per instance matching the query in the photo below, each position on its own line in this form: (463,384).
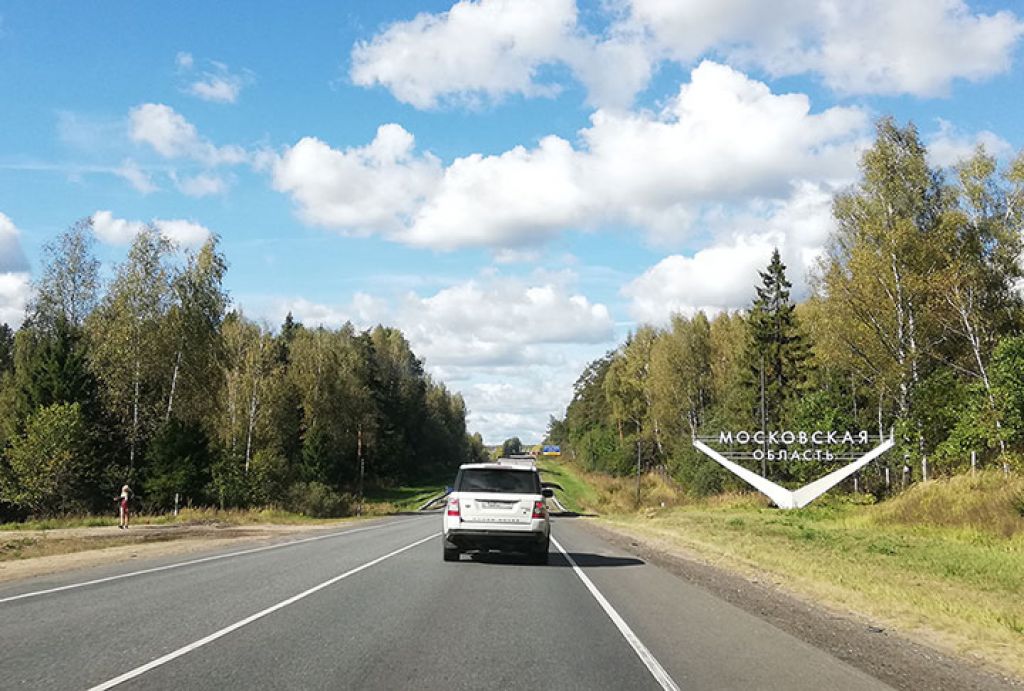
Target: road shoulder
(880,652)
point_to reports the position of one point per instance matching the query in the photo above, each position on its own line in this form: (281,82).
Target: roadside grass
(381,501)
(943,561)
(53,536)
(378,502)
(602,494)
(578,495)
(187,516)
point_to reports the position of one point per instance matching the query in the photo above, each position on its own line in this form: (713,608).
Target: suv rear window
(500,481)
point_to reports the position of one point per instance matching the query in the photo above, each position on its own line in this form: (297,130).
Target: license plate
(495,505)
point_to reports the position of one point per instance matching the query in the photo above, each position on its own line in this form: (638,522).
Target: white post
(974,462)
(924,469)
(887,477)
(176,496)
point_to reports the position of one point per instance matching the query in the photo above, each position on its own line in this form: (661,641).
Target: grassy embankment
(51,536)
(944,561)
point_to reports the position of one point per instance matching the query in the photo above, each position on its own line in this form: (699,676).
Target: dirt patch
(882,653)
(28,553)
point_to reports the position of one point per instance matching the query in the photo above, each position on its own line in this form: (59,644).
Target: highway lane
(400,619)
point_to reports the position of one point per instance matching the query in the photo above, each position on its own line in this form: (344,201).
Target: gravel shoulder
(893,657)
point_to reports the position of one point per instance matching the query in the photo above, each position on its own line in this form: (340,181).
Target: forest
(912,328)
(151,379)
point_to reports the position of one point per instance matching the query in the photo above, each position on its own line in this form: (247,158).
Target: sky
(516,184)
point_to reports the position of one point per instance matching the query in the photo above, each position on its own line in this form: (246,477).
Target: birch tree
(126,350)
(68,287)
(880,265)
(193,327)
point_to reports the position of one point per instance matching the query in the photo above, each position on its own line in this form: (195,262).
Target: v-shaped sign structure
(794,499)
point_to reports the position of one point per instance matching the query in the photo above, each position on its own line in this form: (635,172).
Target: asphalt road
(375,607)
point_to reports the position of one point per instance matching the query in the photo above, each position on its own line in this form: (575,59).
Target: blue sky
(515,184)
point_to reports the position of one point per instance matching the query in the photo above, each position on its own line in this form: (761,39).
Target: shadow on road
(582,559)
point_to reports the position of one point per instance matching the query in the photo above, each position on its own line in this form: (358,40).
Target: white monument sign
(818,445)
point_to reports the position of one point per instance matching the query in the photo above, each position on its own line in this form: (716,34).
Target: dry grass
(988,502)
(14,546)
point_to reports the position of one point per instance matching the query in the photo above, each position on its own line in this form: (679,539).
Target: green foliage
(6,349)
(1007,366)
(269,478)
(511,447)
(228,487)
(178,461)
(477,452)
(175,395)
(777,351)
(44,467)
(317,500)
(912,326)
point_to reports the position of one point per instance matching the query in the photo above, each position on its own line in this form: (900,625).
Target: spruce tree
(776,349)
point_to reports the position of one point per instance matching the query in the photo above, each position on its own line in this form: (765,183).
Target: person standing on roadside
(124,513)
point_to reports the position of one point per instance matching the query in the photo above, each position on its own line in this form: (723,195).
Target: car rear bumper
(497,539)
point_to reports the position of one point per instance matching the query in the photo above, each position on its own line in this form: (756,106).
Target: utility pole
(764,444)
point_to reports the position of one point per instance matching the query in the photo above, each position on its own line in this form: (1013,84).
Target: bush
(707,479)
(268,477)
(317,500)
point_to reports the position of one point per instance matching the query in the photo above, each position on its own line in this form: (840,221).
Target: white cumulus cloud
(201,185)
(219,84)
(857,46)
(485,50)
(948,146)
(359,190)
(12,258)
(15,291)
(724,138)
(15,280)
(172,136)
(722,275)
(138,178)
(118,231)
(500,321)
(476,49)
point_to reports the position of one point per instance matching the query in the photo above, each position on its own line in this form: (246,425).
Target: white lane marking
(645,655)
(191,562)
(138,671)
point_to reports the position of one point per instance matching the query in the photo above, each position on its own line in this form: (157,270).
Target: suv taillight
(539,510)
(453,507)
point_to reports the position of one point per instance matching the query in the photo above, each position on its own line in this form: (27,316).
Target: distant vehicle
(518,459)
(497,506)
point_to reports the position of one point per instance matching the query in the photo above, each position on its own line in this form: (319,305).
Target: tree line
(155,381)
(913,326)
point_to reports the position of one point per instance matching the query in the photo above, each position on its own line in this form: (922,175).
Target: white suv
(497,506)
